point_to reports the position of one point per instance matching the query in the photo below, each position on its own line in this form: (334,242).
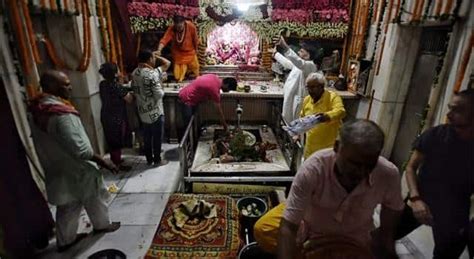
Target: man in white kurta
(73,179)
(301,65)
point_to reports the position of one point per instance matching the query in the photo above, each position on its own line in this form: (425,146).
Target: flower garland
(31,33)
(84,63)
(102,26)
(439,12)
(17,24)
(267,30)
(377,35)
(56,6)
(77,4)
(110,33)
(292,15)
(142,24)
(441,57)
(464,63)
(58,63)
(119,52)
(221,15)
(369,19)
(308,4)
(160,10)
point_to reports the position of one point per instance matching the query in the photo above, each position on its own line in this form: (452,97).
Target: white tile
(155,179)
(138,208)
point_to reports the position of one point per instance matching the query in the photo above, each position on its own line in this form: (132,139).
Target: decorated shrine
(114,89)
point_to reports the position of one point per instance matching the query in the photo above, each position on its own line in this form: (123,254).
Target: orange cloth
(180,70)
(184,52)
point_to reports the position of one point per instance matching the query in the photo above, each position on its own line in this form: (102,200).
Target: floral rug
(200,237)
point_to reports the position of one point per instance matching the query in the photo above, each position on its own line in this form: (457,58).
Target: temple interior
(237,129)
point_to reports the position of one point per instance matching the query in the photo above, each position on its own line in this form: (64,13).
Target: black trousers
(153,135)
(450,237)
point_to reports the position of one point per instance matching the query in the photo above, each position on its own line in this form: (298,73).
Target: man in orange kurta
(183,35)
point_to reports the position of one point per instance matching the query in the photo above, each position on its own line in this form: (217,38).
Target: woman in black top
(113,113)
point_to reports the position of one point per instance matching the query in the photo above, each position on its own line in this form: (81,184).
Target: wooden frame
(352,75)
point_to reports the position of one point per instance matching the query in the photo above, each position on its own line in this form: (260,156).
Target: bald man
(73,180)
(333,197)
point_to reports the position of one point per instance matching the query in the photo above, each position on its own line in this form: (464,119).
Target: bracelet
(414,198)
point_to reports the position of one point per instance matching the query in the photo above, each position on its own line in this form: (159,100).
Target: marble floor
(142,194)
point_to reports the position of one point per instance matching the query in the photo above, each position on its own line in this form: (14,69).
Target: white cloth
(307,66)
(67,218)
(303,124)
(146,84)
(293,90)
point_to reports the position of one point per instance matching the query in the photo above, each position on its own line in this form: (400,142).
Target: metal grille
(433,40)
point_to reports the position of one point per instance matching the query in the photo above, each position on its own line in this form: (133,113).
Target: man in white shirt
(301,65)
(146,83)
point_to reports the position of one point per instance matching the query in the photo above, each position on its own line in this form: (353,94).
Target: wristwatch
(414,198)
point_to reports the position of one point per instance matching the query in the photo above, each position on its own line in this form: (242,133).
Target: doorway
(432,48)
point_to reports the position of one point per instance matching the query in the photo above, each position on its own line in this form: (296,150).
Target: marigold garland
(58,63)
(464,62)
(439,4)
(448,7)
(103,32)
(84,63)
(119,52)
(389,16)
(77,5)
(110,32)
(31,33)
(26,63)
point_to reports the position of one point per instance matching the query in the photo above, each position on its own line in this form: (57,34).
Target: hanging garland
(142,24)
(119,52)
(427,9)
(31,33)
(441,56)
(366,35)
(161,10)
(84,63)
(110,33)
(77,4)
(439,13)
(17,24)
(50,50)
(13,44)
(103,32)
(377,35)
(464,62)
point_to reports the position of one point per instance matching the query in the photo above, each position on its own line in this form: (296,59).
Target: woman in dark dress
(113,113)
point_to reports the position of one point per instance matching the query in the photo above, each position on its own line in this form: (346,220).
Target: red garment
(203,88)
(42,111)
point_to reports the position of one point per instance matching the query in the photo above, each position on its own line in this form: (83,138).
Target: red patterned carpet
(199,238)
